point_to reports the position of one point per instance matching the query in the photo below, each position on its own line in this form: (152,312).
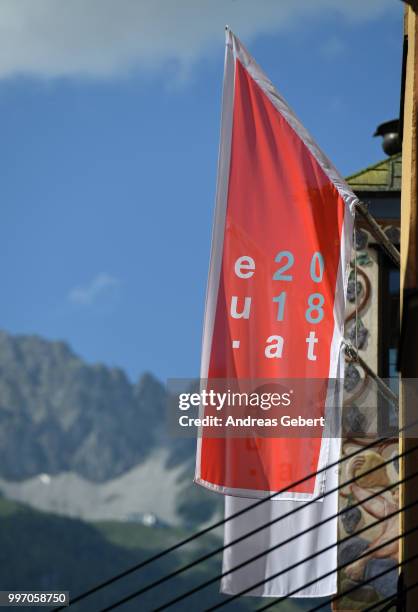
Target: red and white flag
(274,310)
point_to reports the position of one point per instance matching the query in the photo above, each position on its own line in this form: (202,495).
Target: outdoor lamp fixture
(389,130)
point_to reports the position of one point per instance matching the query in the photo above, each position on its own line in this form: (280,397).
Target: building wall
(363,414)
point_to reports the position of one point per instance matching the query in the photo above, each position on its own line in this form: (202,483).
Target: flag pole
(378,233)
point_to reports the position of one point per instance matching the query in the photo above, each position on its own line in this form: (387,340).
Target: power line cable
(254,531)
(391,600)
(311,582)
(221,522)
(363,582)
(285,542)
(217,524)
(340,567)
(258,529)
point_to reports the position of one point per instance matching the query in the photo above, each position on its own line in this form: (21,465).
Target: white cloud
(103,285)
(332,48)
(104,38)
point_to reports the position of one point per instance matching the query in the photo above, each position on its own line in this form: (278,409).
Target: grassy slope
(44,551)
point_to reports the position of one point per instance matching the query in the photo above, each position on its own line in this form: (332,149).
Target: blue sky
(109,138)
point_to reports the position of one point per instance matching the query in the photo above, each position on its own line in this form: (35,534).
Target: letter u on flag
(275,307)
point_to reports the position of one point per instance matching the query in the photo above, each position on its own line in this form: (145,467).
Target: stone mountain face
(102,441)
(58,414)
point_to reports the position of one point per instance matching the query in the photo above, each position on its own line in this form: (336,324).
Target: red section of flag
(275,304)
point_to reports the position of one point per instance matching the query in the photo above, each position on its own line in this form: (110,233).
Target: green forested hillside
(42,551)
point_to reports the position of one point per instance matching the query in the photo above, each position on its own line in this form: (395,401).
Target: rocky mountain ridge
(82,441)
(58,413)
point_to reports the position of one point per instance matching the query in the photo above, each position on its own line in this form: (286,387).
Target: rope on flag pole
(378,233)
(350,350)
(355,280)
(352,353)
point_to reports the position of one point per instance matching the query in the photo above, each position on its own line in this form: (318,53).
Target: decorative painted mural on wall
(363,416)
